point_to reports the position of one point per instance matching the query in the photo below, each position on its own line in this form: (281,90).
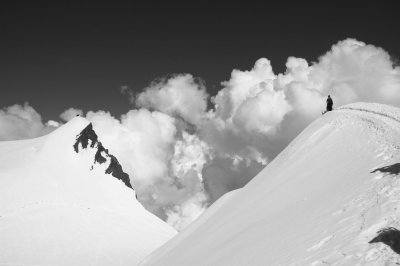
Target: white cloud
(181,96)
(21,122)
(190,153)
(52,123)
(242,86)
(354,71)
(70,113)
(180,216)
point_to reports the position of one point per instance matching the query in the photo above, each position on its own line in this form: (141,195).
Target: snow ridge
(114,168)
(330,198)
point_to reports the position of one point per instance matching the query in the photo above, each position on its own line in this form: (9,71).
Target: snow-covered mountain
(320,202)
(65,200)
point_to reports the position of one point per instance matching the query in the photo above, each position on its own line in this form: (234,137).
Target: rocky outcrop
(389,236)
(102,155)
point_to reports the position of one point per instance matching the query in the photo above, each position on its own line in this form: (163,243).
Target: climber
(329,104)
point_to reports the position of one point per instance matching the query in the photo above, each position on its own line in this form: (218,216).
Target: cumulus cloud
(163,159)
(180,95)
(70,113)
(354,71)
(180,216)
(183,156)
(250,101)
(22,122)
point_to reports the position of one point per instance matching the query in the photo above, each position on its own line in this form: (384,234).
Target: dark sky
(62,54)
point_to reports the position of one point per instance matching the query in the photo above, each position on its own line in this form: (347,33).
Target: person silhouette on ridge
(329,104)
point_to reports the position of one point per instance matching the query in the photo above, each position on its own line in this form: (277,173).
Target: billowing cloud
(183,156)
(354,71)
(180,216)
(22,122)
(70,113)
(250,101)
(181,95)
(163,159)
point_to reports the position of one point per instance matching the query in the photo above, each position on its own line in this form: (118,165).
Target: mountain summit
(65,200)
(330,198)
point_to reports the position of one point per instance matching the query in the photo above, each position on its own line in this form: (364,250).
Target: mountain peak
(102,155)
(56,210)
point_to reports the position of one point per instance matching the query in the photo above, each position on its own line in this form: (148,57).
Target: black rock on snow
(389,236)
(114,168)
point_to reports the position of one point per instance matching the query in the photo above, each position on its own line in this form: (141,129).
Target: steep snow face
(320,202)
(66,203)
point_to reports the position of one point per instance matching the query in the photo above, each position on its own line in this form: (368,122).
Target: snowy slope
(55,210)
(318,203)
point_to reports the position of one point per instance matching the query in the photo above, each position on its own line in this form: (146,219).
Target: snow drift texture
(62,203)
(319,202)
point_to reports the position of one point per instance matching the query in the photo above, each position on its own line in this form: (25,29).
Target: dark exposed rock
(83,138)
(114,168)
(389,236)
(98,157)
(393,169)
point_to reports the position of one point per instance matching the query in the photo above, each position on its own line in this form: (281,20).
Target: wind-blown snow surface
(55,210)
(318,203)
